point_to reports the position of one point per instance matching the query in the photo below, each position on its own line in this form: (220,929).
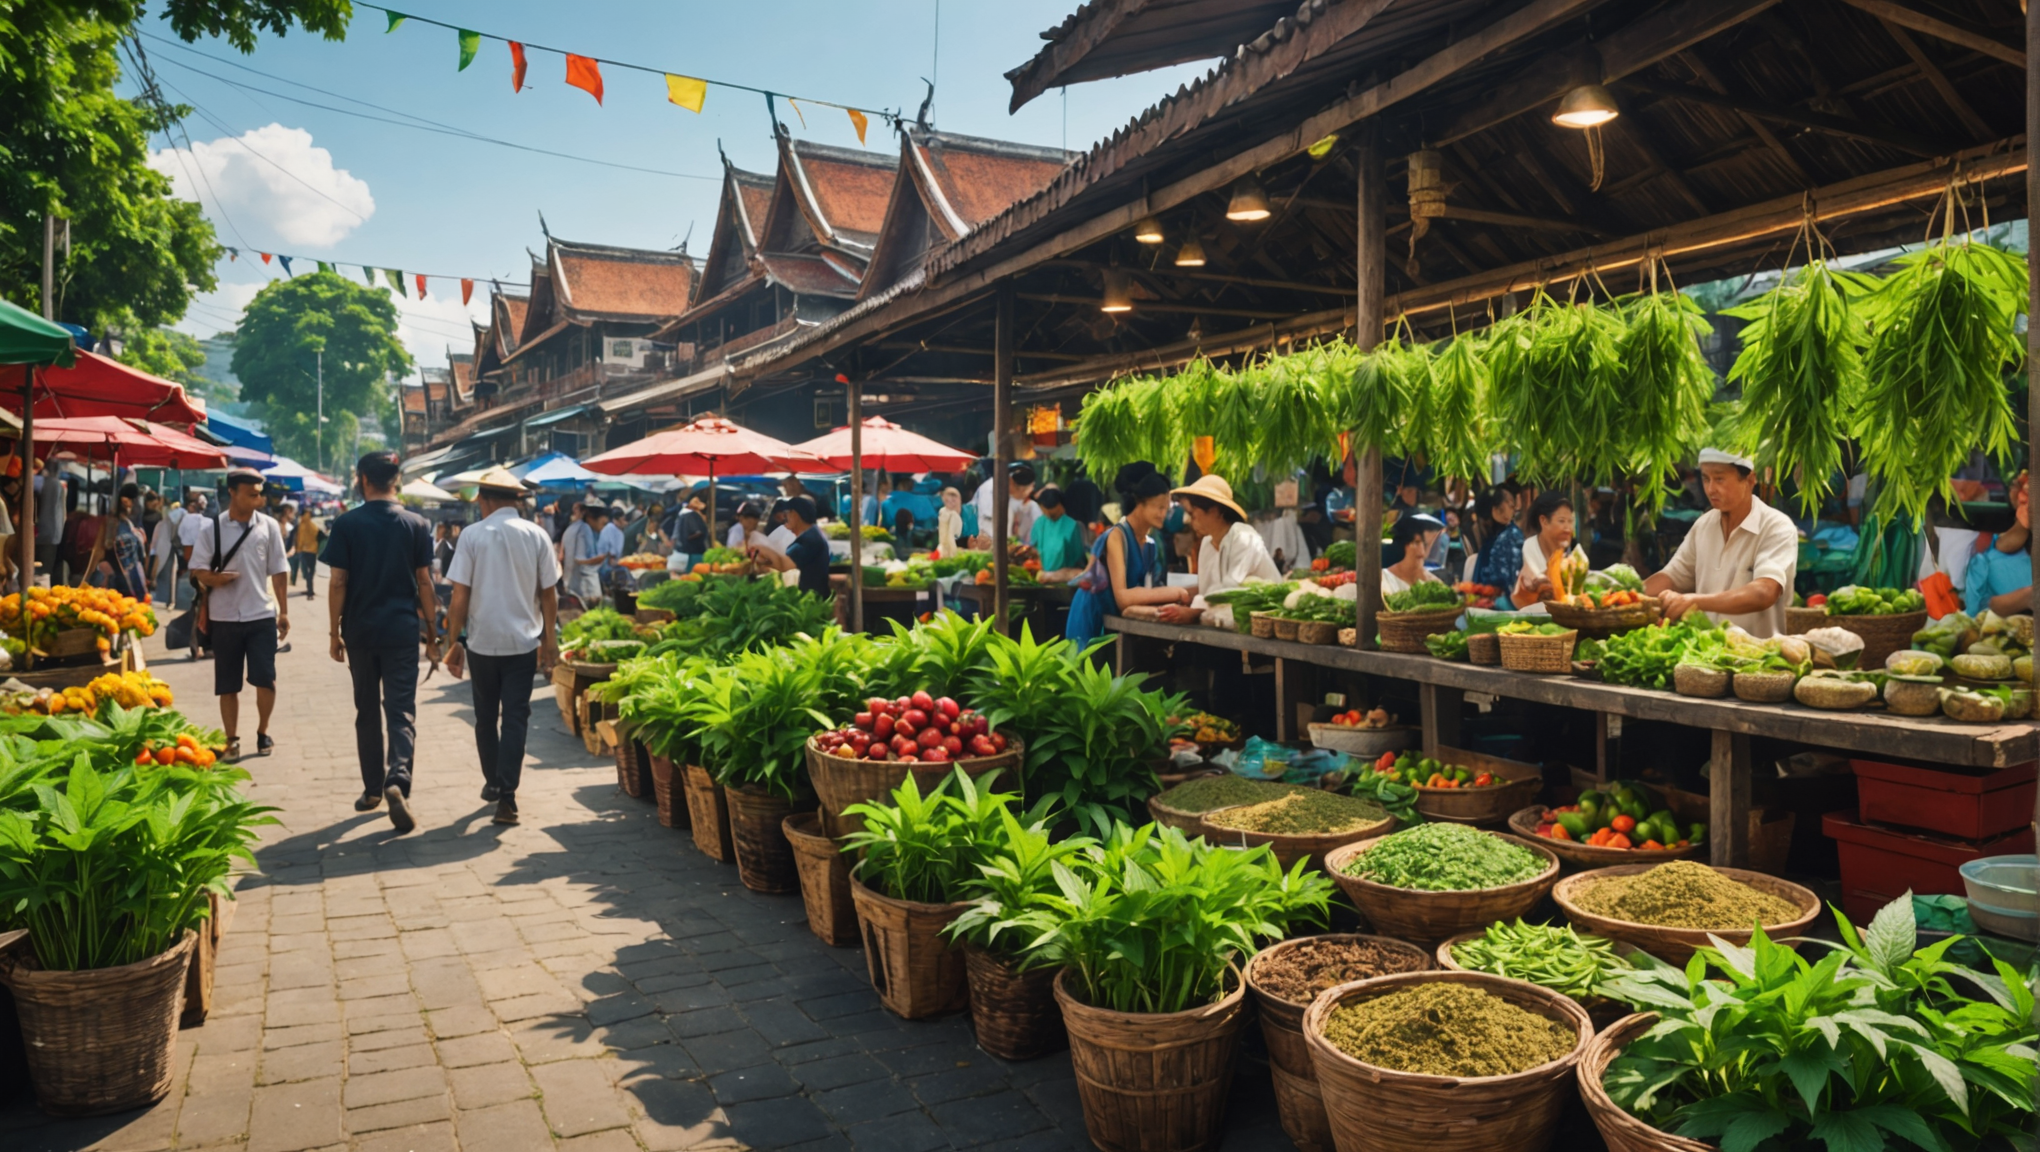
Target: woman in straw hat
(1230,552)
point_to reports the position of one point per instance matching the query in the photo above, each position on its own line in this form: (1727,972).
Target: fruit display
(916,729)
(1477,595)
(1204,728)
(127,689)
(1335,579)
(1527,628)
(641,561)
(52,610)
(1425,772)
(1855,601)
(186,749)
(1620,817)
(1619,598)
(720,562)
(1355,718)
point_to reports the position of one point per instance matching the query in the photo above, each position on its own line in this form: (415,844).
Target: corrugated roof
(596,281)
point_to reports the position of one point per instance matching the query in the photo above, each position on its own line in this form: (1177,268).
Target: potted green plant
(1012,989)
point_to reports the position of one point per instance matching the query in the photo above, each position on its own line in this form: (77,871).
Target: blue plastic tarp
(238,434)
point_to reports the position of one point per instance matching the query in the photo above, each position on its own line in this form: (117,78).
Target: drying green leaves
(1457,438)
(1665,387)
(1557,390)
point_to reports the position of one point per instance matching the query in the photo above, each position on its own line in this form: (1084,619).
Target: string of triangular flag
(394,277)
(585,73)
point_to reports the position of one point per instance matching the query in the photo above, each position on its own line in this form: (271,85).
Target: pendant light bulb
(1587,106)
(1191,254)
(1148,231)
(1249,201)
(1118,292)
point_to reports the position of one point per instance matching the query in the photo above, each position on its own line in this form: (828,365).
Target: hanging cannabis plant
(1665,389)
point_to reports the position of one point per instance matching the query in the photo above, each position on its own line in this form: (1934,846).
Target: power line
(229,133)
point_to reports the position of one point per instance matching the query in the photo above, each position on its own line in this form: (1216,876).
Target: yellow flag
(686,91)
(859,122)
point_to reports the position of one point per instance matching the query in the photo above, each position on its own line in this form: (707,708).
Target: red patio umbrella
(888,448)
(121,441)
(97,386)
(706,446)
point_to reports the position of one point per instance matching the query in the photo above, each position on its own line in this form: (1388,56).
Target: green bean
(1556,958)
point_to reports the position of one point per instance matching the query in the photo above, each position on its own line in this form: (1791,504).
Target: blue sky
(281,175)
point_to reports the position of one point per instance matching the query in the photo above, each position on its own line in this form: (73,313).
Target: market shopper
(1549,527)
(505,601)
(1409,547)
(949,522)
(1058,538)
(581,555)
(1021,509)
(2000,574)
(379,600)
(1230,553)
(1500,545)
(1126,562)
(238,559)
(808,554)
(745,531)
(1738,561)
(689,531)
(121,560)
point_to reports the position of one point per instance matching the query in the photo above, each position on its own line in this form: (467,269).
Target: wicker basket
(565,692)
(1622,1131)
(1482,807)
(1700,681)
(205,956)
(1290,848)
(708,811)
(103,1039)
(1013,1013)
(841,781)
(1677,945)
(1601,623)
(1764,687)
(1286,628)
(1261,625)
(633,765)
(1153,1082)
(1429,917)
(1484,648)
(824,880)
(764,857)
(913,968)
(1405,631)
(1379,1110)
(668,791)
(1601,1010)
(1882,635)
(1192,823)
(1575,855)
(1365,743)
(1799,621)
(1317,632)
(1536,653)
(1297,1100)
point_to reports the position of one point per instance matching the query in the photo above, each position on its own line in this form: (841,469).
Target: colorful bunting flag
(396,19)
(467,290)
(584,73)
(421,285)
(264,255)
(470,43)
(859,122)
(325,267)
(285,261)
(516,66)
(797,111)
(686,91)
(396,279)
(368,274)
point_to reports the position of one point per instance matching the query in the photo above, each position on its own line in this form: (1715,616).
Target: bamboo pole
(1371,227)
(1002,448)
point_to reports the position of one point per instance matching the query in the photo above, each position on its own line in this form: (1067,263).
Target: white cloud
(272,180)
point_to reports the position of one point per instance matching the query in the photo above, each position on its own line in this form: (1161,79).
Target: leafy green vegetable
(1666,384)
(1453,413)
(1447,645)
(1645,657)
(1557,390)
(1557,958)
(1340,554)
(1426,596)
(1446,858)
(928,848)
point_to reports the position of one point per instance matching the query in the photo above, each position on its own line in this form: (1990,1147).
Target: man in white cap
(1738,561)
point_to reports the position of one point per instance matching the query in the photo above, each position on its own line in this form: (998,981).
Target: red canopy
(108,437)
(97,386)
(887,447)
(703,448)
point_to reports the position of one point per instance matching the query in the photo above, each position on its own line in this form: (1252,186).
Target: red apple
(863,720)
(929,738)
(952,745)
(998,741)
(903,744)
(882,727)
(918,717)
(877,752)
(949,707)
(875,705)
(981,746)
(904,727)
(923,701)
(903,703)
(935,756)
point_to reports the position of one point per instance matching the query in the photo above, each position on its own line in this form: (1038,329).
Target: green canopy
(26,338)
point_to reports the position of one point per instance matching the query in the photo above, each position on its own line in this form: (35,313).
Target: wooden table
(1441,685)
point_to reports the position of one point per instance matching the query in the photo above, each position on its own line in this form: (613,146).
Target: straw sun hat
(1213,488)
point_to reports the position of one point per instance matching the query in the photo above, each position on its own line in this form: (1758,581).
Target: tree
(167,353)
(277,355)
(70,146)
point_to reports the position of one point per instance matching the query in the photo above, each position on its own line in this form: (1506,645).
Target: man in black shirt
(809,552)
(381,589)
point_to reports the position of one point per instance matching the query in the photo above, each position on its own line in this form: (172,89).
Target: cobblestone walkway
(585,981)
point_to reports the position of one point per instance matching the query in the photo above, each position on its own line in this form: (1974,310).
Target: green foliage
(1375,400)
(1759,1047)
(1016,876)
(724,617)
(597,624)
(1665,387)
(1557,390)
(276,356)
(168,353)
(927,849)
(754,715)
(1457,438)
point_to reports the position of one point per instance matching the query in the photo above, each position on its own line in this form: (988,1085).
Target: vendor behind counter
(1738,562)
(1230,552)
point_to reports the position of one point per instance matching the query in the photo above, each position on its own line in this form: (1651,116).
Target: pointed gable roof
(828,197)
(739,226)
(601,282)
(953,183)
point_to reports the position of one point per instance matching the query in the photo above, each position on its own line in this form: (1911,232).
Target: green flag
(396,279)
(368,274)
(396,18)
(325,267)
(470,43)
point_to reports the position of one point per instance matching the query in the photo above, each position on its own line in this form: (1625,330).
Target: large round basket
(1601,623)
(824,880)
(914,970)
(1478,806)
(1677,945)
(1799,621)
(708,812)
(1366,743)
(1297,1100)
(1152,1082)
(1376,1109)
(669,788)
(1601,1010)
(841,781)
(1576,855)
(1427,917)
(1622,1131)
(1290,848)
(103,1039)
(1013,1013)
(1192,823)
(1882,635)
(764,856)
(1484,648)
(1538,653)
(1405,631)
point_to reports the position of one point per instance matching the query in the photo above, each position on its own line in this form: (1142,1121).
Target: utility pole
(49,266)
(321,431)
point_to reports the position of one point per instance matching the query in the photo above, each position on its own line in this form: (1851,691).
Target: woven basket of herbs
(1305,824)
(1669,910)
(1183,807)
(1561,958)
(1445,1061)
(1576,854)
(1405,631)
(1538,652)
(1435,881)
(1622,1130)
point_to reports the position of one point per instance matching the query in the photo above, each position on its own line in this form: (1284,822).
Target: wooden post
(856,412)
(1440,707)
(26,522)
(1372,259)
(1002,448)
(1728,800)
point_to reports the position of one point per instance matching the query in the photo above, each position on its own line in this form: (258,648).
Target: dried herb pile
(1683,894)
(1446,858)
(1208,792)
(1307,811)
(1448,1029)
(1298,973)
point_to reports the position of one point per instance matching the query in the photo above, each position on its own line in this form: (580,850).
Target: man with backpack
(238,560)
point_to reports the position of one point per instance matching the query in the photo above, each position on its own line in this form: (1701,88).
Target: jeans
(307,563)
(166,587)
(502,686)
(392,675)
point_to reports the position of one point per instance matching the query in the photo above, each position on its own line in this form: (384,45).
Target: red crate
(1880,864)
(1965,805)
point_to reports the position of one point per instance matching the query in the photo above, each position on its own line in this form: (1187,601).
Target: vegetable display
(1447,645)
(1372,719)
(1204,728)
(1645,657)
(1447,1029)
(1477,595)
(1558,958)
(1854,601)
(1427,772)
(1208,792)
(1446,858)
(917,728)
(1302,813)
(1620,817)
(1298,972)
(1425,596)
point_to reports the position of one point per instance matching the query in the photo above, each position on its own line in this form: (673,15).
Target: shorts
(234,640)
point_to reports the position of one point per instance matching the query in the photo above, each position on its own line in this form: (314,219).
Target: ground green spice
(1683,894)
(1446,858)
(1208,792)
(1307,812)
(1447,1029)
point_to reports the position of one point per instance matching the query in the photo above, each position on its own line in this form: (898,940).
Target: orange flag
(859,122)
(516,66)
(585,74)
(265,257)
(421,285)
(467,289)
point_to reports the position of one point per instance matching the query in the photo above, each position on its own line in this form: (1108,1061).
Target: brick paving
(585,981)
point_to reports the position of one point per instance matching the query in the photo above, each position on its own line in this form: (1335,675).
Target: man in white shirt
(609,542)
(506,595)
(581,555)
(1019,504)
(1738,561)
(167,555)
(239,559)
